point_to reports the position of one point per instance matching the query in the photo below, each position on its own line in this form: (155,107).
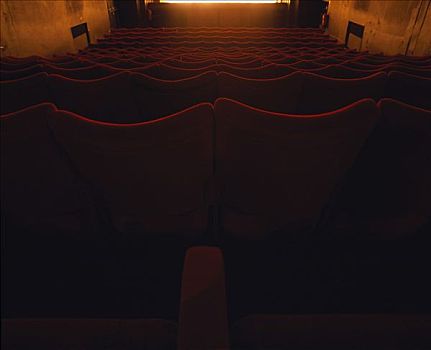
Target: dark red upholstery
(48,221)
(203,314)
(323,219)
(342,72)
(53,334)
(20,73)
(410,89)
(86,73)
(157,98)
(166,72)
(277,171)
(113,94)
(276,95)
(369,331)
(36,178)
(15,93)
(190,65)
(265,72)
(152,176)
(388,193)
(322,94)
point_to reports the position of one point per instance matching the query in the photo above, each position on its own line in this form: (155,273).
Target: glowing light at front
(224,1)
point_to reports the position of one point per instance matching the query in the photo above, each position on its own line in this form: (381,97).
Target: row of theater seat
(195,54)
(138,215)
(108,204)
(133,97)
(173,69)
(196,127)
(303,61)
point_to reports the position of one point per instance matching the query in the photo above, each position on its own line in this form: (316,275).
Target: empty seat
(417,71)
(52,334)
(86,73)
(342,72)
(335,331)
(278,171)
(152,176)
(322,94)
(265,72)
(152,180)
(20,73)
(49,223)
(16,65)
(380,218)
(24,92)
(388,192)
(255,63)
(277,95)
(305,65)
(166,72)
(157,98)
(126,64)
(107,99)
(410,89)
(192,65)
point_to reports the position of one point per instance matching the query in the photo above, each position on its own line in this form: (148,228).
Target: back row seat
(133,97)
(109,242)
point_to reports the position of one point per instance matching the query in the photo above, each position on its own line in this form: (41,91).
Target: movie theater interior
(202,175)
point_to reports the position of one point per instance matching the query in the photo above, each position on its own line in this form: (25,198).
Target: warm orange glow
(223,1)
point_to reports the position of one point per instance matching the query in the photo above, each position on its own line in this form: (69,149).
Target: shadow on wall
(391,27)
(44,27)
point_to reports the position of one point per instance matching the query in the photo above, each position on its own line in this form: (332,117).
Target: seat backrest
(165,72)
(341,72)
(191,65)
(322,94)
(420,72)
(276,95)
(333,331)
(277,171)
(265,72)
(20,73)
(157,98)
(152,176)
(96,334)
(107,99)
(388,191)
(16,65)
(40,192)
(22,93)
(87,73)
(410,89)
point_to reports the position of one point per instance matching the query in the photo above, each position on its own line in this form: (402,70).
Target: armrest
(203,322)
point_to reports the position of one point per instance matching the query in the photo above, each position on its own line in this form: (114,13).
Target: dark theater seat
(264,72)
(292,163)
(276,174)
(414,90)
(276,95)
(151,176)
(20,73)
(322,94)
(24,92)
(85,73)
(165,72)
(49,224)
(157,98)
(388,192)
(97,334)
(379,222)
(214,188)
(108,99)
(332,331)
